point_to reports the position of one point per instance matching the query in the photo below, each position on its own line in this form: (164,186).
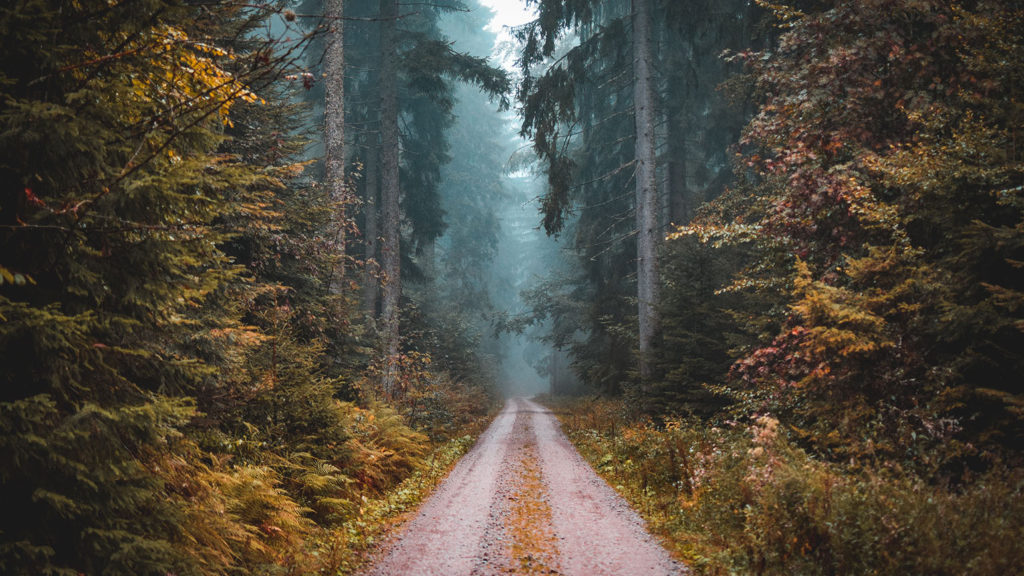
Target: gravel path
(523,501)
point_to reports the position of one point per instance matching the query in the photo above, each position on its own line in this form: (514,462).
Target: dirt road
(523,501)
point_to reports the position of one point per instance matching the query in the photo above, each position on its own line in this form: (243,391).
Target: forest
(269,268)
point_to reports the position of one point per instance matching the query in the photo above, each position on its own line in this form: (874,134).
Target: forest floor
(523,501)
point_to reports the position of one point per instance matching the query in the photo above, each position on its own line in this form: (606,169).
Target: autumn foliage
(880,182)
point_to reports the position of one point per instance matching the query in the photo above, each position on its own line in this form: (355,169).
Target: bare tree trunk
(334,132)
(554,371)
(428,259)
(371,231)
(390,208)
(647,201)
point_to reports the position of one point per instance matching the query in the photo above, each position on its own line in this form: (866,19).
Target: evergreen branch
(290,15)
(448,8)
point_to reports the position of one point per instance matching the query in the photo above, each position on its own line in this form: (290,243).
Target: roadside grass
(744,499)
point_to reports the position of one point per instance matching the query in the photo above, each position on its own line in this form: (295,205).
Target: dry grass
(532,547)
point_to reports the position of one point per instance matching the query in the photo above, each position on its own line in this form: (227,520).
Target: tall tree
(624,114)
(371,222)
(591,114)
(577,97)
(334,127)
(121,193)
(390,194)
(362,112)
(417,68)
(648,203)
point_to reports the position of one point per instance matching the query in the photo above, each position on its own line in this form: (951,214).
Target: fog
(501,210)
(470,186)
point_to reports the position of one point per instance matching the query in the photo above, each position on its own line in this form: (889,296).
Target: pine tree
(334,128)
(648,219)
(141,181)
(113,183)
(390,195)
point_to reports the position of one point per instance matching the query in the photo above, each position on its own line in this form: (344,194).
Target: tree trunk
(555,389)
(428,259)
(390,208)
(647,201)
(371,230)
(334,132)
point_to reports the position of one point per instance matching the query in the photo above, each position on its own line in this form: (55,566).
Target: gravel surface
(463,528)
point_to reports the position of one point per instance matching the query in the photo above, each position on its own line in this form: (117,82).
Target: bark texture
(371,228)
(647,201)
(390,195)
(334,131)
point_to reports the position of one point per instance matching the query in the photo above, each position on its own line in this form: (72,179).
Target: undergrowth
(398,453)
(346,548)
(744,499)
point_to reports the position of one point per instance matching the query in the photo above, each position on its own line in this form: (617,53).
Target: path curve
(464,527)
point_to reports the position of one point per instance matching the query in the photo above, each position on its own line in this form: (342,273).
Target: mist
(492,249)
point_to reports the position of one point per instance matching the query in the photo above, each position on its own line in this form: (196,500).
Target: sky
(506,13)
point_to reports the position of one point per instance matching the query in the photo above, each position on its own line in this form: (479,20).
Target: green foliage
(701,328)
(430,67)
(75,505)
(112,185)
